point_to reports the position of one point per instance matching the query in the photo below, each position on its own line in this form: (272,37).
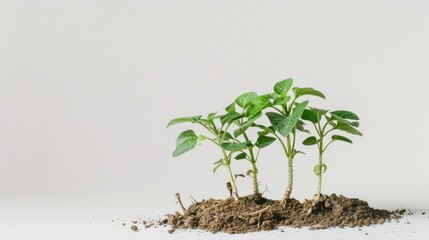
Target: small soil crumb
(170,231)
(134,228)
(255,213)
(423,213)
(123,224)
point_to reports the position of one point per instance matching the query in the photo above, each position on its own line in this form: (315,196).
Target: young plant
(286,121)
(187,140)
(251,109)
(333,121)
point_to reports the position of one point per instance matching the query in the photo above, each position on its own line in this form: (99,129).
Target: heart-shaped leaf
(310,141)
(283,86)
(245,98)
(264,141)
(186,141)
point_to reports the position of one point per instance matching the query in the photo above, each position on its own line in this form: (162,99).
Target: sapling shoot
(286,121)
(251,106)
(335,120)
(187,140)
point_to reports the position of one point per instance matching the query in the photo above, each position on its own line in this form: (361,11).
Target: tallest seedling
(286,121)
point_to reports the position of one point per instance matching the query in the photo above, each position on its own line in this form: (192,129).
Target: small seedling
(286,121)
(188,140)
(251,106)
(335,120)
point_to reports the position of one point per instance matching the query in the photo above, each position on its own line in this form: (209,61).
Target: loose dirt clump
(255,213)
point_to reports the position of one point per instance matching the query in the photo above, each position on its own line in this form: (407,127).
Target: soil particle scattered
(423,213)
(255,213)
(134,228)
(170,231)
(123,224)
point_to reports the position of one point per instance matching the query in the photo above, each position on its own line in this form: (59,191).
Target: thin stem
(278,110)
(253,161)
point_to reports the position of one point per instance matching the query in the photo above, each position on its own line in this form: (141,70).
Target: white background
(87,88)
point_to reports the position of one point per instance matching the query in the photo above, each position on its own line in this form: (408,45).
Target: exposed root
(193,199)
(179,201)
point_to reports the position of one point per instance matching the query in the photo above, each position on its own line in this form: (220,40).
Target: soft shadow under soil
(255,213)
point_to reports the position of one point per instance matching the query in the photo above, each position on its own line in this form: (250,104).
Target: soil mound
(256,213)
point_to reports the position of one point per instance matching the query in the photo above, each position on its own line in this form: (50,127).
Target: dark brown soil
(255,213)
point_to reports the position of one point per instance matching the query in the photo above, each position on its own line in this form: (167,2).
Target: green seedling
(220,136)
(333,121)
(250,107)
(286,121)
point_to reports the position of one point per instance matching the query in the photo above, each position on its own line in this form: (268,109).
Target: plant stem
(255,178)
(290,171)
(234,187)
(319,183)
(254,170)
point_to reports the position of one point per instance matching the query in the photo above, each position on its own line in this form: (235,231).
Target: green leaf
(264,141)
(211,117)
(347,128)
(246,125)
(228,135)
(309,115)
(283,124)
(186,141)
(233,147)
(316,169)
(230,108)
(354,124)
(345,114)
(241,156)
(245,98)
(281,100)
(217,166)
(256,105)
(300,126)
(193,119)
(230,117)
(248,172)
(310,141)
(283,86)
(341,138)
(307,91)
(220,161)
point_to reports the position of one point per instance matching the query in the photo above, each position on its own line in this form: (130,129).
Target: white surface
(88,220)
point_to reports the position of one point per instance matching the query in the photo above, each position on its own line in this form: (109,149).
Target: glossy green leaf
(345,114)
(241,156)
(186,141)
(256,105)
(307,91)
(233,147)
(354,124)
(193,119)
(230,108)
(310,141)
(341,138)
(230,117)
(283,124)
(283,86)
(246,125)
(264,141)
(347,128)
(245,98)
(281,100)
(309,115)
